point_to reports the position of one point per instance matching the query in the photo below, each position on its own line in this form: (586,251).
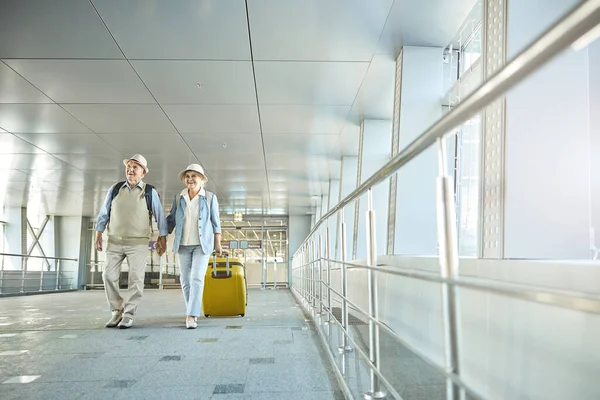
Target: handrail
(47,258)
(570,300)
(556,39)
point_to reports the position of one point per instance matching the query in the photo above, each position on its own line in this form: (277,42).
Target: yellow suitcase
(225,288)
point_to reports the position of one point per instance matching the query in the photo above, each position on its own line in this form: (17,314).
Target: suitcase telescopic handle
(215,263)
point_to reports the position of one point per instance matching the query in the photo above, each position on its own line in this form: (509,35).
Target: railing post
(161,265)
(23,268)
(313,269)
(375,392)
(328,274)
(42,279)
(344,284)
(320,273)
(92,273)
(274,274)
(305,274)
(2,274)
(447,239)
(57,275)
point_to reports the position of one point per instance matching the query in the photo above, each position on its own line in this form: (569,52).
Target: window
(464,51)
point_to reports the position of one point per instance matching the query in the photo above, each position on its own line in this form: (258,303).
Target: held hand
(161,245)
(99,242)
(218,250)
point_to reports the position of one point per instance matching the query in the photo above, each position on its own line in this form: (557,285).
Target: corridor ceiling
(266,94)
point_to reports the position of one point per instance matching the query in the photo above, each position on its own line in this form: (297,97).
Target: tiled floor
(55,346)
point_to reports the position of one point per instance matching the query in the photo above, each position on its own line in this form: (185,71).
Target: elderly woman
(195,217)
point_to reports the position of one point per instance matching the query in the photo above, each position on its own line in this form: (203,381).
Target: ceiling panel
(349,138)
(84,81)
(156,29)
(240,180)
(53,29)
(176,81)
(318,83)
(56,175)
(428,23)
(38,118)
(11,144)
(300,144)
(298,166)
(227,161)
(15,89)
(214,119)
(34,186)
(299,119)
(12,175)
(122,118)
(69,143)
(141,144)
(325,30)
(31,161)
(375,99)
(225,145)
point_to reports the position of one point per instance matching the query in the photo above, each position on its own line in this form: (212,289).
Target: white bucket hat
(138,158)
(192,167)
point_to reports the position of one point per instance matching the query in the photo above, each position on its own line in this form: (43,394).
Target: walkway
(59,341)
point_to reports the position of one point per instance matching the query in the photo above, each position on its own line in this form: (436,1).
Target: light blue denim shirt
(208,222)
(157,210)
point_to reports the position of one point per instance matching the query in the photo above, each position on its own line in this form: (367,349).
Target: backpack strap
(115,190)
(148,195)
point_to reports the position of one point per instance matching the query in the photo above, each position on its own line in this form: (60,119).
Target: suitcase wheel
(207,315)
(241,315)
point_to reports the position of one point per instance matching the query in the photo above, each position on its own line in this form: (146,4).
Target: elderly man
(128,211)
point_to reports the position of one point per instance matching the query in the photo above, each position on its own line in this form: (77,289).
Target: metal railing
(167,272)
(312,265)
(95,268)
(43,279)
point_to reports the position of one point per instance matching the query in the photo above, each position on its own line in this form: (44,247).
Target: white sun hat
(138,158)
(192,167)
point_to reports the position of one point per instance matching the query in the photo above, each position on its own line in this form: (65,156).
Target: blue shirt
(209,223)
(157,210)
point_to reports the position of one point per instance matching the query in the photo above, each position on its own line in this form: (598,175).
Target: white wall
(375,153)
(67,236)
(421,96)
(347,185)
(547,203)
(298,230)
(12,237)
(594,107)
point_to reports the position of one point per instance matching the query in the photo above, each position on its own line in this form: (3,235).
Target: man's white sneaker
(117,316)
(126,322)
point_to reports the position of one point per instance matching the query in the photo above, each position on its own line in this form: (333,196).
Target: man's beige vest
(129,223)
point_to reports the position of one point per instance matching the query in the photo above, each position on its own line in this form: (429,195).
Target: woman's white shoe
(190,324)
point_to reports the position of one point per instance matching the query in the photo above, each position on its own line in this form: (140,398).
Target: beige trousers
(136,259)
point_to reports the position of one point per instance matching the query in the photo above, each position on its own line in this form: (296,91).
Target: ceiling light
(237,217)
